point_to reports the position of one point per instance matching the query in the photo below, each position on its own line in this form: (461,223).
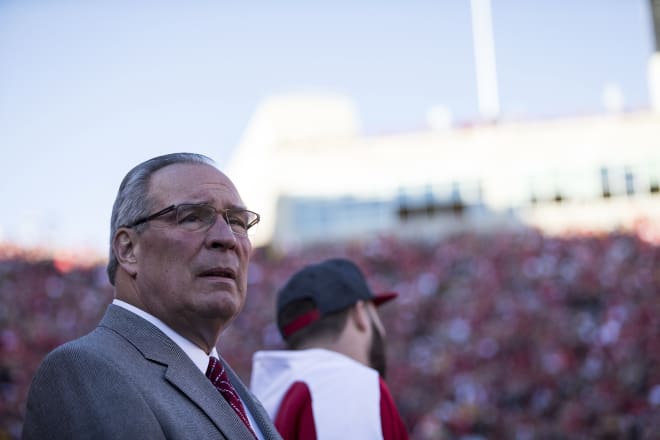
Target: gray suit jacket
(127,380)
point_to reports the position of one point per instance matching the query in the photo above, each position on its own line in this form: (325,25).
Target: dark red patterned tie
(218,377)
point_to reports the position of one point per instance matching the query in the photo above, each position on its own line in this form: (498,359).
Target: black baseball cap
(333,285)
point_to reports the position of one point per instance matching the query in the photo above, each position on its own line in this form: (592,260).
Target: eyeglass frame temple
(152,216)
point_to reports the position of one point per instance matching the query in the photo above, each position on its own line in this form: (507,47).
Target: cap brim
(381,298)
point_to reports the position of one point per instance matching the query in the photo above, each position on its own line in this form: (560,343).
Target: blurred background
(494,161)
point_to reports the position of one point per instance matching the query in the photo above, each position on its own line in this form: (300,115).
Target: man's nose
(220,234)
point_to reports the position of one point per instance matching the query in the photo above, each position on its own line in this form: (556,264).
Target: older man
(178,261)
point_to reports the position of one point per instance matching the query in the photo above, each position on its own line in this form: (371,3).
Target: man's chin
(223,304)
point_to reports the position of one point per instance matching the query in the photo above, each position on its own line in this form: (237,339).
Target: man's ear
(124,245)
(360,315)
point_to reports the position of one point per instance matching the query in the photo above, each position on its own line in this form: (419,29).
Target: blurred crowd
(514,335)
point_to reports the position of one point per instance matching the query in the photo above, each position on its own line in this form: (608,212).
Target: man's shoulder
(104,342)
(99,343)
(332,364)
(330,361)
(295,418)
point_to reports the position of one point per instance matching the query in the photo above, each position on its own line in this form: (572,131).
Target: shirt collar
(195,353)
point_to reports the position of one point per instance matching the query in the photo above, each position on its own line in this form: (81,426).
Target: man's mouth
(219,272)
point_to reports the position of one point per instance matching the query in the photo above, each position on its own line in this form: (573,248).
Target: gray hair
(132,201)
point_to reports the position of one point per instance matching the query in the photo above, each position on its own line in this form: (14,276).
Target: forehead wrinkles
(182,183)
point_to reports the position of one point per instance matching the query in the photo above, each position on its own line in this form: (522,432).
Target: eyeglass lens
(196,217)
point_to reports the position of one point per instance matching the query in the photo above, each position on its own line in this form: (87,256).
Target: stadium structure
(304,165)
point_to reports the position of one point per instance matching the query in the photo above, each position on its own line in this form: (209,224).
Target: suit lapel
(199,389)
(181,372)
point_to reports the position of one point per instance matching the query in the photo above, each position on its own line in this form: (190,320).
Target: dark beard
(377,355)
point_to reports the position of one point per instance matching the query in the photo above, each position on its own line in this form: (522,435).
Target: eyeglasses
(201,216)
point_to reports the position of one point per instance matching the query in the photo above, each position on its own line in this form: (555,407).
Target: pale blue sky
(90,88)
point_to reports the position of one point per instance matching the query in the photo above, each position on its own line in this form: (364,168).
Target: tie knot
(216,371)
